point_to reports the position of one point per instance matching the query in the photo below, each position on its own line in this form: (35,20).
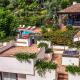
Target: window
(8,76)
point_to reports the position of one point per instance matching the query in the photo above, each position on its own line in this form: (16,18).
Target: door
(0,76)
(33,40)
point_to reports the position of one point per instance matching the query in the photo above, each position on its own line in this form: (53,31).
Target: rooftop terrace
(13,50)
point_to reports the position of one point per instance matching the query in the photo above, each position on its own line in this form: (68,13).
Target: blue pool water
(26,32)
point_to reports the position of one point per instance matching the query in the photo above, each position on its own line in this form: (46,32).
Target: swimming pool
(26,32)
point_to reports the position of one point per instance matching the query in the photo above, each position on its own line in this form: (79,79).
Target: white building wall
(73,76)
(22,42)
(60,47)
(70,61)
(48,76)
(12,65)
(41,53)
(76,39)
(58,52)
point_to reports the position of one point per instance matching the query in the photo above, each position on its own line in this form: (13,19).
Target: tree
(65,3)
(2,34)
(4,3)
(8,22)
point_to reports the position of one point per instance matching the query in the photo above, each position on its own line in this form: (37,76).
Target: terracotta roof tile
(72,9)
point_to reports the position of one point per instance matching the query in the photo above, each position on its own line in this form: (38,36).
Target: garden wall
(22,42)
(70,61)
(48,76)
(59,49)
(41,53)
(73,76)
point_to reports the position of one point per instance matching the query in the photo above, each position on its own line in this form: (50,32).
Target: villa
(39,42)
(13,69)
(26,42)
(70,15)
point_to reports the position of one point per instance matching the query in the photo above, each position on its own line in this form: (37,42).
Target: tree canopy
(8,23)
(28,12)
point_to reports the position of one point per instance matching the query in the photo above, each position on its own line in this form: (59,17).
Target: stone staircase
(62,76)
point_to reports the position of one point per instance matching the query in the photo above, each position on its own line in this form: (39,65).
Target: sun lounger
(23,26)
(33,27)
(28,27)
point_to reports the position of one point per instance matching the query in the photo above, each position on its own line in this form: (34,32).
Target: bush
(43,66)
(25,56)
(7,39)
(69,27)
(55,27)
(76,44)
(44,30)
(48,50)
(43,45)
(73,69)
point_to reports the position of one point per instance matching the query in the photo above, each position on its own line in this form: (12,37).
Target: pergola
(70,15)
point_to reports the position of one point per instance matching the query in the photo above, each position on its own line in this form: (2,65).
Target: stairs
(62,76)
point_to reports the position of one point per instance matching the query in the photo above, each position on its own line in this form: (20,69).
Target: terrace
(13,50)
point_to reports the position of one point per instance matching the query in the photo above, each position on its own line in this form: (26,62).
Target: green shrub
(42,44)
(43,30)
(55,27)
(73,69)
(25,56)
(77,44)
(42,66)
(48,50)
(7,39)
(69,27)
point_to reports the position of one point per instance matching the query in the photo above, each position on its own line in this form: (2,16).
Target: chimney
(74,2)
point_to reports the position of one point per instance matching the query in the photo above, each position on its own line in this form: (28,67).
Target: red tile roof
(37,30)
(72,9)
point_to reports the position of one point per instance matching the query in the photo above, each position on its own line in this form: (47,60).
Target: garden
(59,37)
(28,12)
(40,65)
